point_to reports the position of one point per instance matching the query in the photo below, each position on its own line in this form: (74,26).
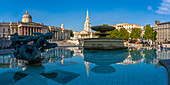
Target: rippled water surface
(74,66)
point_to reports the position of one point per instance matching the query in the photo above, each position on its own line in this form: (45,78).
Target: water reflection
(99,62)
(146,55)
(103,59)
(100,58)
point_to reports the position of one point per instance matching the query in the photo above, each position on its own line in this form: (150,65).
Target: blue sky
(72,13)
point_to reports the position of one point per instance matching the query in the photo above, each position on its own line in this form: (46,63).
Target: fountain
(103,43)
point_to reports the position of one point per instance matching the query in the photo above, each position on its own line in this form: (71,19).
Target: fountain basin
(104,44)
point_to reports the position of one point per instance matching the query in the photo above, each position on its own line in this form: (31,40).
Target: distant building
(127,26)
(86,33)
(27,27)
(163,32)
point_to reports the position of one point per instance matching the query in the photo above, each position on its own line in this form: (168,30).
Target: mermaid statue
(29,48)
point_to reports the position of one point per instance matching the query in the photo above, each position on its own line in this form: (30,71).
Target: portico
(28,29)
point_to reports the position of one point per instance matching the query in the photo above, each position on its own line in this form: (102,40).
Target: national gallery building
(27,27)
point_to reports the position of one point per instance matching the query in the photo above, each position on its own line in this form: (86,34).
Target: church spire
(87,24)
(87,17)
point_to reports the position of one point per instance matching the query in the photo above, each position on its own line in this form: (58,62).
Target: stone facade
(127,26)
(163,32)
(27,27)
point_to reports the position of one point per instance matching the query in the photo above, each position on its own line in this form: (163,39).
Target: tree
(113,34)
(71,33)
(105,24)
(154,36)
(149,33)
(123,33)
(136,33)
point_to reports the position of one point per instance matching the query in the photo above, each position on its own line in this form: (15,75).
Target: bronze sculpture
(31,52)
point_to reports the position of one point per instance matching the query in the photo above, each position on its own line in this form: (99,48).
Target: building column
(30,30)
(37,29)
(33,29)
(20,30)
(25,30)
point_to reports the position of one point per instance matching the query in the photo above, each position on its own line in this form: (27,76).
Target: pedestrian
(159,46)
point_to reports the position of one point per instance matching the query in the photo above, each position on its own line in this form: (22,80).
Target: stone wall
(103,44)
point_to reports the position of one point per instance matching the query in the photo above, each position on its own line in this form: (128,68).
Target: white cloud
(164,8)
(149,8)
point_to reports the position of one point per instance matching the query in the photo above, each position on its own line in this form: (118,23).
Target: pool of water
(74,66)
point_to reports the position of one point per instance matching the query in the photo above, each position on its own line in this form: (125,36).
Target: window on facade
(4,30)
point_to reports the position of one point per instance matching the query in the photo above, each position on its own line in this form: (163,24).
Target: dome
(26,17)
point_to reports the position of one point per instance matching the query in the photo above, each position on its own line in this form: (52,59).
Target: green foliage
(154,36)
(149,33)
(136,55)
(71,33)
(113,34)
(105,24)
(150,55)
(136,33)
(122,33)
(98,35)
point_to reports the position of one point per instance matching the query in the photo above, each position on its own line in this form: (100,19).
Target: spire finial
(87,17)
(26,12)
(87,12)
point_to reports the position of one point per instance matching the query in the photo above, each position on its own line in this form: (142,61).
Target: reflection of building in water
(5,59)
(87,64)
(148,55)
(57,54)
(128,61)
(164,54)
(78,51)
(10,61)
